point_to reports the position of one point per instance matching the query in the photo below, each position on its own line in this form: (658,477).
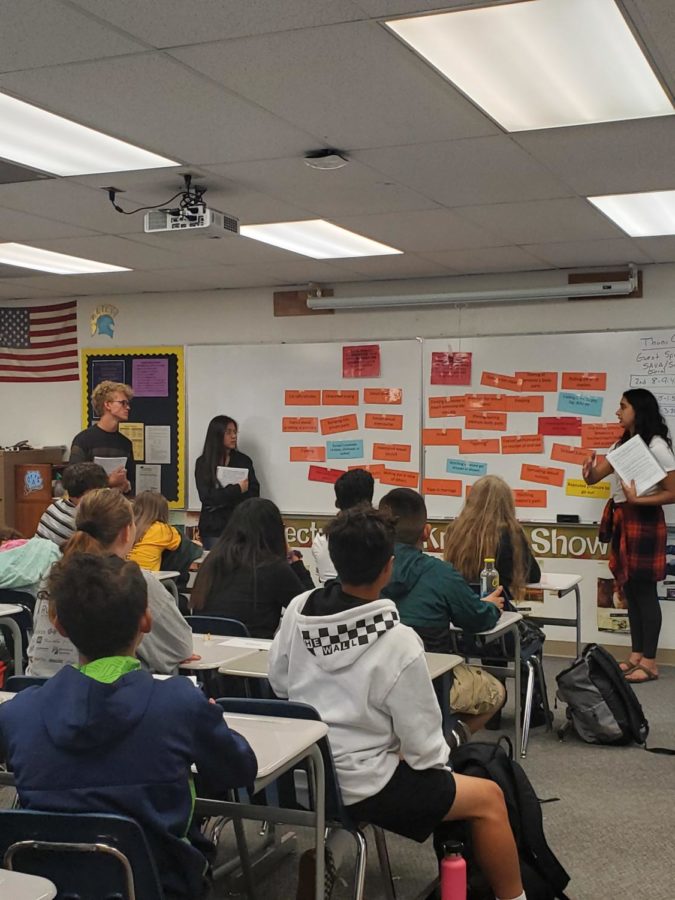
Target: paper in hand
(633,461)
(110,463)
(230,475)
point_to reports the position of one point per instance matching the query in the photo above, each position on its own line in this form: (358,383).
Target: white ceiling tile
(166,108)
(543,221)
(19,226)
(201,250)
(656,22)
(618,251)
(406,266)
(488,259)
(472,171)
(352,85)
(660,249)
(610,158)
(353,190)
(38,33)
(120,251)
(386,8)
(179,22)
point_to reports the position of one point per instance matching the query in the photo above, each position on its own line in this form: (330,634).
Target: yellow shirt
(148,551)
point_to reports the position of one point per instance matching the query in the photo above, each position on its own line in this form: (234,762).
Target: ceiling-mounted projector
(196,220)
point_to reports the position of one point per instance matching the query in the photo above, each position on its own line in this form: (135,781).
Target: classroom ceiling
(238,92)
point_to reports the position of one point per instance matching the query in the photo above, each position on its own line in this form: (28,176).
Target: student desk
(19,886)
(561,585)
(214,652)
(7,612)
(167,578)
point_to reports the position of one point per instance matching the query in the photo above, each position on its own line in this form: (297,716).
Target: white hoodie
(366,675)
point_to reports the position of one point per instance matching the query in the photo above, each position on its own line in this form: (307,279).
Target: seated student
(430,595)
(250,575)
(105,527)
(25,563)
(351,489)
(109,737)
(154,535)
(343,650)
(58,520)
(487,527)
(10,538)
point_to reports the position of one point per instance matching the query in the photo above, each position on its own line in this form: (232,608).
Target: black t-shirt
(94,441)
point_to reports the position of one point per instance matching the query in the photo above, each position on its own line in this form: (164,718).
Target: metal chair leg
(527,712)
(385,867)
(539,670)
(360,865)
(244,856)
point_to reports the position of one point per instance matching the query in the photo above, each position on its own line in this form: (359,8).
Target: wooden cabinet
(13,493)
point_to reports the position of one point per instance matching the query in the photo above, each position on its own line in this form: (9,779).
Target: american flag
(39,343)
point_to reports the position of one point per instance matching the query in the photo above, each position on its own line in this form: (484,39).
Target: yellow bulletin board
(156,425)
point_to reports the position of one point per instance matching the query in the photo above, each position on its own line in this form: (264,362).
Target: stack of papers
(247,643)
(230,475)
(633,461)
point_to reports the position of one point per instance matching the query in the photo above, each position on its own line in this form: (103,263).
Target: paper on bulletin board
(400,478)
(302,398)
(385,421)
(383,395)
(478,420)
(582,404)
(135,431)
(148,478)
(157,443)
(339,398)
(577,487)
(299,424)
(565,453)
(361,361)
(465,467)
(392,452)
(532,498)
(150,377)
(323,474)
(337,424)
(107,370)
(444,487)
(441,437)
(479,445)
(344,449)
(494,379)
(451,368)
(446,406)
(584,381)
(538,381)
(522,443)
(307,454)
(542,474)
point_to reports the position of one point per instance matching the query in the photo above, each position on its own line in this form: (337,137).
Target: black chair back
(217,625)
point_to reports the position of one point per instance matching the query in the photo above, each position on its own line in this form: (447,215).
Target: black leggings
(644,615)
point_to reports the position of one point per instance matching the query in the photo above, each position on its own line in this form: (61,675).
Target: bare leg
(481,803)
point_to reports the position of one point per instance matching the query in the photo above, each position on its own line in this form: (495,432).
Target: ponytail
(101,515)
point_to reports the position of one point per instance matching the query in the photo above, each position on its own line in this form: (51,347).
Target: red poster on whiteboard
(361,362)
(451,368)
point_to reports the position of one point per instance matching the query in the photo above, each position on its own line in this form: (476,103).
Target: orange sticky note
(446,406)
(570,454)
(523,443)
(542,474)
(485,421)
(308,454)
(387,421)
(340,398)
(445,487)
(375,469)
(302,398)
(494,379)
(400,478)
(299,423)
(479,445)
(584,381)
(337,424)
(383,395)
(441,437)
(488,402)
(392,452)
(524,403)
(601,435)
(538,381)
(529,498)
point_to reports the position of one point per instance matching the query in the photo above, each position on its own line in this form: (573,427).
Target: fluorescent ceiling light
(45,141)
(47,261)
(542,63)
(316,238)
(640,215)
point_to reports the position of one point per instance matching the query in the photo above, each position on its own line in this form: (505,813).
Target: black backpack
(543,876)
(601,705)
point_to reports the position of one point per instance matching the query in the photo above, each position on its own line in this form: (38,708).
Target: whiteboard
(248,383)
(629,359)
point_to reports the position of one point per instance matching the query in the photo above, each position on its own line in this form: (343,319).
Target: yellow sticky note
(136,434)
(577,487)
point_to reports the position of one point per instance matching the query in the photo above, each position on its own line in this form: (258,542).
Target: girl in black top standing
(218,503)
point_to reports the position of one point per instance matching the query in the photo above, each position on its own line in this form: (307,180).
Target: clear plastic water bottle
(489,577)
(453,872)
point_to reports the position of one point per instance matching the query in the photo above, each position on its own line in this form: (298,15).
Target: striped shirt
(58,522)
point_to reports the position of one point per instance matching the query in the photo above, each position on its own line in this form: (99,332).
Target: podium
(26,486)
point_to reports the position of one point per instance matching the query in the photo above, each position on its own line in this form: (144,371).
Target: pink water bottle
(453,872)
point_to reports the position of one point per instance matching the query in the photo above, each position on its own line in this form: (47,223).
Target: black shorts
(412,803)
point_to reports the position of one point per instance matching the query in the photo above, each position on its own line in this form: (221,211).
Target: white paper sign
(158,443)
(110,463)
(247,643)
(148,478)
(633,461)
(227,475)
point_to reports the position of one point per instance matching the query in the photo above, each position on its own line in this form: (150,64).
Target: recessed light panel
(541,63)
(45,141)
(47,261)
(640,215)
(316,238)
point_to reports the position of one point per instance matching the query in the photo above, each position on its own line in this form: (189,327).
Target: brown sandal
(650,676)
(627,666)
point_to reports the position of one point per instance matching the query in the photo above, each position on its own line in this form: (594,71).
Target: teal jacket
(430,593)
(22,568)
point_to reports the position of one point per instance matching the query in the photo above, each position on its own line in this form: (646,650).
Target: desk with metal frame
(7,612)
(562,585)
(20,886)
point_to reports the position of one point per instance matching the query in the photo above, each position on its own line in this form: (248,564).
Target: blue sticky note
(580,404)
(344,449)
(465,467)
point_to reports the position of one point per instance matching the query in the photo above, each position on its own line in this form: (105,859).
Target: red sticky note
(450,368)
(340,398)
(299,423)
(494,379)
(361,361)
(479,445)
(441,437)
(560,425)
(320,473)
(568,454)
(392,452)
(538,381)
(485,421)
(308,454)
(584,381)
(529,498)
(387,421)
(523,443)
(336,424)
(383,395)
(400,478)
(302,398)
(444,487)
(542,474)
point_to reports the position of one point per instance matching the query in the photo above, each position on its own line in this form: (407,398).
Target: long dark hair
(213,453)
(253,536)
(649,421)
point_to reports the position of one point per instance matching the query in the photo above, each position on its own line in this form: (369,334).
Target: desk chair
(337,815)
(217,625)
(16,624)
(81,853)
